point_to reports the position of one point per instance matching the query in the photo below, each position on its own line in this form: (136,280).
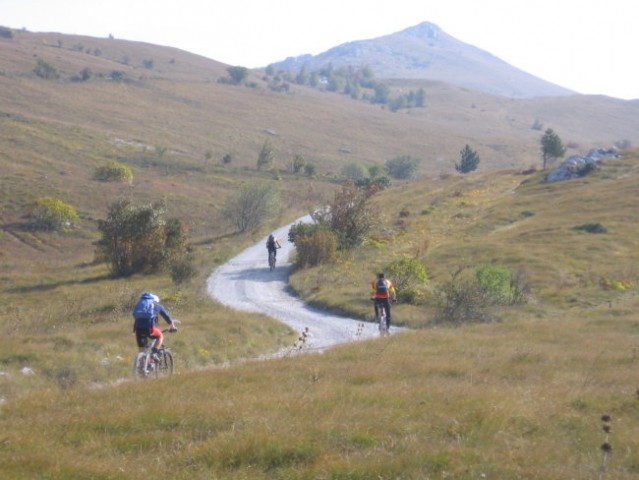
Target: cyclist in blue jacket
(145,315)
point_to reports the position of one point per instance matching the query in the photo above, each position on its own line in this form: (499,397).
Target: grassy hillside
(518,398)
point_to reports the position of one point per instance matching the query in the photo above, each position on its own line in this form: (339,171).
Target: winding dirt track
(245,283)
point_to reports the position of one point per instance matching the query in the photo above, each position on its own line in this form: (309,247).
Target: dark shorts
(142,335)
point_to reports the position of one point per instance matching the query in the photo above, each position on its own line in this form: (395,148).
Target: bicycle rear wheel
(140,365)
(382,323)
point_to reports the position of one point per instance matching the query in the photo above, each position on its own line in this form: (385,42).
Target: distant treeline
(357,83)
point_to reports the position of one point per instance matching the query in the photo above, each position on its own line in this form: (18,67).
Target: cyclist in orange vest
(383,291)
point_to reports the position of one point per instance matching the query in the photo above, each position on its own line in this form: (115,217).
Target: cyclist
(272,244)
(383,291)
(145,314)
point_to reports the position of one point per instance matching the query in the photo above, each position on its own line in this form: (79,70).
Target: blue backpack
(144,311)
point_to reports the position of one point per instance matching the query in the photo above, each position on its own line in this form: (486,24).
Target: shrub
(592,228)
(298,163)
(266,157)
(310,169)
(250,205)
(138,238)
(183,269)
(403,167)
(237,75)
(45,70)
(302,229)
(409,277)
(52,214)
(354,171)
(6,33)
(84,75)
(495,280)
(349,215)
(467,298)
(461,300)
(587,168)
(114,172)
(317,248)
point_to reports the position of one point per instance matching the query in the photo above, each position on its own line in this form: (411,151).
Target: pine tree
(551,147)
(469,160)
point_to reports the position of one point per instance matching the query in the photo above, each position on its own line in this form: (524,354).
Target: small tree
(403,167)
(310,169)
(298,163)
(6,33)
(354,171)
(349,215)
(469,160)
(237,74)
(133,238)
(52,214)
(266,157)
(251,205)
(45,70)
(382,93)
(551,147)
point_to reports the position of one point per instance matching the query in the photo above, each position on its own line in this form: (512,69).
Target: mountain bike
(147,364)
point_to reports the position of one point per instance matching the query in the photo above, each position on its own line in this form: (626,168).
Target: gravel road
(246,283)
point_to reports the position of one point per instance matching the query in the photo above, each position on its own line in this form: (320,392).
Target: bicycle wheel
(140,365)
(383,325)
(166,365)
(271,260)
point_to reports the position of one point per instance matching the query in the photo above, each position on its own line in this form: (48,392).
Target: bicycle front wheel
(166,366)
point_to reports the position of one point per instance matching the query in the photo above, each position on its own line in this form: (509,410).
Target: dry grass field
(521,397)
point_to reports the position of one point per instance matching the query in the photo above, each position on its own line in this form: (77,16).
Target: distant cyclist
(272,244)
(145,314)
(383,291)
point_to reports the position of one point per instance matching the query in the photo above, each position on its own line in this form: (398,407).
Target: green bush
(183,269)
(495,280)
(114,172)
(587,169)
(592,228)
(409,277)
(403,167)
(460,301)
(138,238)
(45,70)
(469,295)
(318,248)
(52,214)
(6,33)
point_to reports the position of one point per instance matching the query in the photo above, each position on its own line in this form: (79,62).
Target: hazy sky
(585,45)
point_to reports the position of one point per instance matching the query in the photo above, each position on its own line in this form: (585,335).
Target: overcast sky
(585,45)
